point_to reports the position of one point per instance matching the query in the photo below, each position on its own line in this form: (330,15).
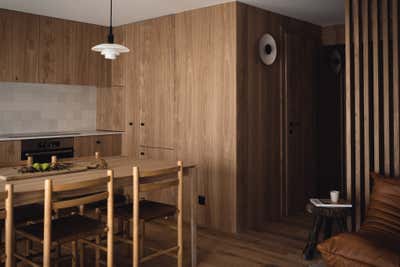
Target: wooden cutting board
(12,174)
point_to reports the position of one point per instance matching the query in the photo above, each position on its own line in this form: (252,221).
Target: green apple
(36,166)
(44,166)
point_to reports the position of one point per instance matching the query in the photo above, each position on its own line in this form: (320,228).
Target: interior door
(300,67)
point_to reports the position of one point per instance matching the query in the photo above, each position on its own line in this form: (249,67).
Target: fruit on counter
(36,166)
(44,166)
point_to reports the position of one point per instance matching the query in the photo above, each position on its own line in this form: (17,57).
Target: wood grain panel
(380,80)
(258,111)
(25,47)
(132,102)
(10,151)
(385,80)
(396,81)
(206,100)
(366,62)
(66,56)
(118,67)
(20,46)
(110,108)
(5,45)
(357,108)
(376,44)
(156,82)
(51,60)
(107,145)
(333,35)
(349,56)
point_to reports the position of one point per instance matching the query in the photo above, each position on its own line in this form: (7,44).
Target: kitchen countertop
(27,136)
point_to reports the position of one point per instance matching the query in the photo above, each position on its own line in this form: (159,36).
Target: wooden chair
(73,229)
(141,211)
(7,215)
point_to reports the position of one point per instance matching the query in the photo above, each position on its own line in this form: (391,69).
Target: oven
(42,149)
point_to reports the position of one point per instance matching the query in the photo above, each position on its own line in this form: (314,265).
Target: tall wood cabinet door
(300,121)
(110,108)
(19,48)
(156,83)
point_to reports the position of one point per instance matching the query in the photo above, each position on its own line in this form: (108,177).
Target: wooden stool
(325,216)
(141,211)
(71,229)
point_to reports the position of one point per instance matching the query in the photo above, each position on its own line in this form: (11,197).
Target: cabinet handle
(131,123)
(142,124)
(98,142)
(142,153)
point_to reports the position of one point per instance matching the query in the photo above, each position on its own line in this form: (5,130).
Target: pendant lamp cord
(110,34)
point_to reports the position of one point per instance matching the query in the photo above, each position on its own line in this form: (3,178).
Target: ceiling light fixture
(110,50)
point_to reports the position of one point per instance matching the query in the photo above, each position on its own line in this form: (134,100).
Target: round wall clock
(267,49)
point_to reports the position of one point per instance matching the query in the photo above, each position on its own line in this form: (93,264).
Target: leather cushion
(357,250)
(383,216)
(378,241)
(64,229)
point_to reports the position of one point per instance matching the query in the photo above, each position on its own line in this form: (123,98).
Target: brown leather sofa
(378,241)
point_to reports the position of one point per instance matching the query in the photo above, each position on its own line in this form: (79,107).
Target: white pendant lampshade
(110,50)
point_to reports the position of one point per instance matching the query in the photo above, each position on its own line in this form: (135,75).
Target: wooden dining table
(28,190)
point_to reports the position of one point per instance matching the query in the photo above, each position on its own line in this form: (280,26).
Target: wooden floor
(278,244)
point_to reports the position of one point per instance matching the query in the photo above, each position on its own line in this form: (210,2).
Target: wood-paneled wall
(206,97)
(333,35)
(265,189)
(372,96)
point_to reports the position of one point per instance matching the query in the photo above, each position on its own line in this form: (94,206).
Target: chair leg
(97,251)
(58,254)
(74,250)
(81,254)
(141,238)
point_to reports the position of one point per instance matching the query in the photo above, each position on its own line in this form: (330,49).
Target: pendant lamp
(110,50)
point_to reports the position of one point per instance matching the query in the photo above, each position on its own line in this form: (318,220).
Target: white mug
(335,196)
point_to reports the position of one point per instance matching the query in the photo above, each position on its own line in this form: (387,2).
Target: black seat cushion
(64,229)
(28,213)
(148,210)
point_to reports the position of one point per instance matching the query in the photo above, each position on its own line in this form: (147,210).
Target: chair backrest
(104,190)
(166,173)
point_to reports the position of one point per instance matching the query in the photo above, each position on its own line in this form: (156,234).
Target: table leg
(342,224)
(328,228)
(193,216)
(309,250)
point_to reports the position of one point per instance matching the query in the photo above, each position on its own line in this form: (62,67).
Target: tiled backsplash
(34,107)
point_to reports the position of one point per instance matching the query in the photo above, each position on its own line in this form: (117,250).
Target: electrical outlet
(202,200)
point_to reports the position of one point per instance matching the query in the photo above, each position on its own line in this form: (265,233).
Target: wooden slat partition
(372,71)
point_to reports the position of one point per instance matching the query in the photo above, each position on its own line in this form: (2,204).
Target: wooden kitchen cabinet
(150,101)
(10,151)
(107,145)
(110,108)
(19,46)
(66,56)
(157,153)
